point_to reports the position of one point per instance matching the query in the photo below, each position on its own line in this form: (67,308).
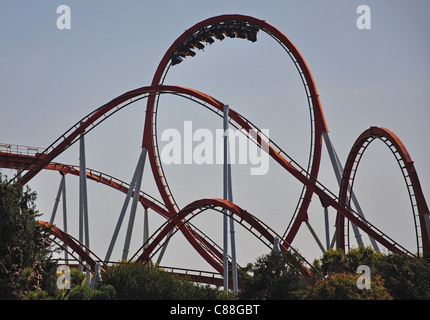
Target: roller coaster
(30,161)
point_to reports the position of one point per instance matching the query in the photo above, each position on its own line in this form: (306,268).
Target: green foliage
(135,281)
(105,292)
(275,276)
(25,264)
(343,286)
(332,261)
(362,256)
(80,292)
(402,277)
(27,270)
(77,277)
(39,295)
(336,261)
(406,278)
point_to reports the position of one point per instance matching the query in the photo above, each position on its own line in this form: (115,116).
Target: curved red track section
(199,206)
(406,164)
(320,124)
(91,259)
(214,257)
(46,157)
(75,245)
(198,240)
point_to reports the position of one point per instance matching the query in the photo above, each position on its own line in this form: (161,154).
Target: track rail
(147,201)
(302,175)
(213,26)
(260,230)
(416,196)
(99,115)
(74,245)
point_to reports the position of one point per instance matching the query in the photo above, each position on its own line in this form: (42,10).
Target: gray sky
(51,78)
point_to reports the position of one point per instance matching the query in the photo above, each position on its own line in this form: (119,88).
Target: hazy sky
(51,78)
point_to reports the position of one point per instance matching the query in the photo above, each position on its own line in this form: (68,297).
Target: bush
(25,249)
(135,281)
(105,292)
(405,278)
(275,276)
(402,276)
(81,292)
(343,286)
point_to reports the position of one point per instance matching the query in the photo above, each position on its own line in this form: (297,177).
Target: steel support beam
(83,213)
(61,194)
(83,201)
(139,170)
(315,236)
(145,226)
(121,217)
(57,200)
(225,194)
(63,181)
(338,170)
(327,228)
(228,195)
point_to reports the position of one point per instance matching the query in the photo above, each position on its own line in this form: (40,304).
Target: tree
(339,276)
(25,264)
(406,278)
(332,261)
(136,281)
(343,286)
(336,261)
(275,276)
(402,276)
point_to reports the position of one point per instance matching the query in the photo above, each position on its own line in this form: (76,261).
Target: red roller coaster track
(179,219)
(319,124)
(86,255)
(419,204)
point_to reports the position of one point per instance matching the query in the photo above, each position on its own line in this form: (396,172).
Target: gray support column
(338,170)
(163,249)
(145,226)
(63,182)
(122,215)
(57,200)
(228,195)
(61,192)
(84,223)
(83,226)
(327,228)
(139,176)
(84,236)
(315,236)
(232,234)
(225,195)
